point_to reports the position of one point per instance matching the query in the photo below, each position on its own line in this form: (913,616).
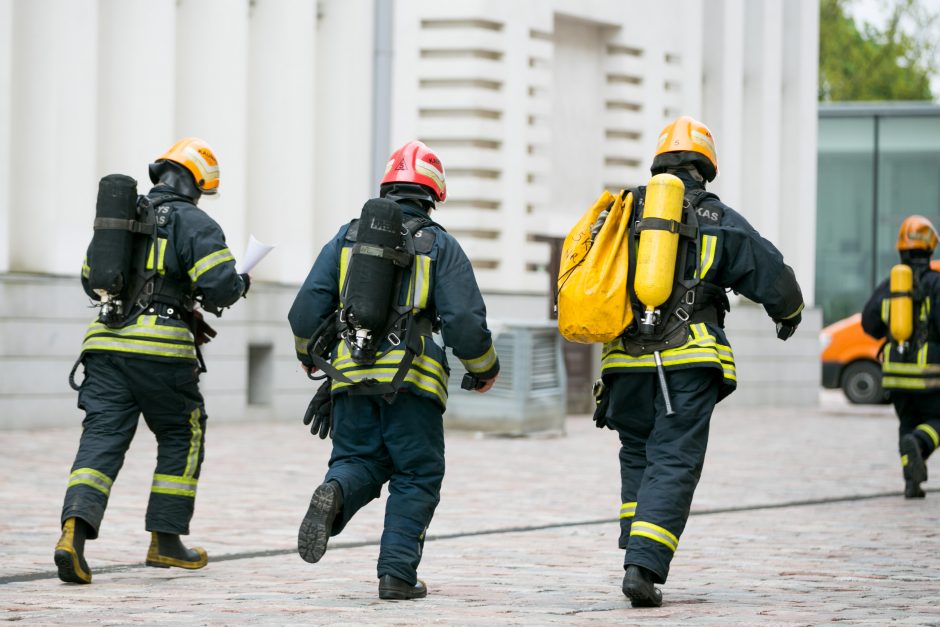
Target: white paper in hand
(256,252)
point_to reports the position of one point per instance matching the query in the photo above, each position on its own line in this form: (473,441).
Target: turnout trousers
(661,458)
(402,443)
(919,413)
(116,390)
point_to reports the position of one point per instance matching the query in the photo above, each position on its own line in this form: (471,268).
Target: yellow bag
(593,299)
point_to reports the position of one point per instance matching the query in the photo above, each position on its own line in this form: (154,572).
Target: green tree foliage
(895,62)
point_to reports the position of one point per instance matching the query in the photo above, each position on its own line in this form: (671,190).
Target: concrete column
(722,94)
(6,68)
(799,145)
(136,85)
(52,178)
(762,89)
(211,100)
(281,146)
(344,117)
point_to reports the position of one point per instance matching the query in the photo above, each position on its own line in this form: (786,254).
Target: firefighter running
(906,310)
(663,376)
(365,317)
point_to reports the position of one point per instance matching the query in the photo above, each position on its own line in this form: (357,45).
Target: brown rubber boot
(70,552)
(167,550)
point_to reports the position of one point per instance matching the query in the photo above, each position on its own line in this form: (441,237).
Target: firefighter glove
(202,332)
(247,279)
(320,412)
(786,328)
(601,401)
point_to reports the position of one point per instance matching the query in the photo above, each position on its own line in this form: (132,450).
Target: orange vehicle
(851,359)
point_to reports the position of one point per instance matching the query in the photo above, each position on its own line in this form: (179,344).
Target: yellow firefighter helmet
(686,141)
(196,156)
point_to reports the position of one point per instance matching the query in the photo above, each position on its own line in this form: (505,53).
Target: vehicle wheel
(861,383)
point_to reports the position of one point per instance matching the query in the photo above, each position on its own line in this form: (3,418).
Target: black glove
(601,401)
(247,279)
(786,328)
(202,332)
(320,412)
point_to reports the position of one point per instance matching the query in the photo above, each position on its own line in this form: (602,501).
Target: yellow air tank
(656,254)
(902,305)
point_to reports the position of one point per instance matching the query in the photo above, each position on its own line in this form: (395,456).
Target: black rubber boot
(395,589)
(70,552)
(915,469)
(167,550)
(325,504)
(638,585)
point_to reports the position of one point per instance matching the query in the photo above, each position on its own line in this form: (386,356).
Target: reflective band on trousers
(655,533)
(701,348)
(195,443)
(177,486)
(628,510)
(931,432)
(93,478)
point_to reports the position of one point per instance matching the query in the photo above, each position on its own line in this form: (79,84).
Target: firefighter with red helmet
(911,362)
(365,317)
(662,379)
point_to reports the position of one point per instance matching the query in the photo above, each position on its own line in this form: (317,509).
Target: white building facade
(534,106)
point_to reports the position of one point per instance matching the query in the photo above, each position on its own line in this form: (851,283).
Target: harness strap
(116,224)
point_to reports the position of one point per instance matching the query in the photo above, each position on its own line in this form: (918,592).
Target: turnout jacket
(730,254)
(918,367)
(190,251)
(440,283)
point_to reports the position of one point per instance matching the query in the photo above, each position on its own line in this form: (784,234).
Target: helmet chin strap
(175,177)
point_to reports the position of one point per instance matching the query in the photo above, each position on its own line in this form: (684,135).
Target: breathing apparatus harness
(362,304)
(692,300)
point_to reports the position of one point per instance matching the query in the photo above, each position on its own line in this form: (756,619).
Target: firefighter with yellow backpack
(906,309)
(654,264)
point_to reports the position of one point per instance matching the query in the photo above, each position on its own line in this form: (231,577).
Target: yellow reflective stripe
(86,269)
(421,281)
(709,244)
(885,310)
(208,262)
(178,486)
(894,367)
(482,363)
(922,356)
(654,532)
(795,313)
(930,431)
(93,478)
(343,266)
(628,510)
(195,442)
(146,331)
(904,460)
(300,344)
(126,345)
(904,383)
(161,242)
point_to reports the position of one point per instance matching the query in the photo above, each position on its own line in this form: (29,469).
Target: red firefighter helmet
(416,163)
(917,233)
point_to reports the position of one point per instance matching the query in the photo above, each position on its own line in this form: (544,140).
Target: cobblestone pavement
(798,520)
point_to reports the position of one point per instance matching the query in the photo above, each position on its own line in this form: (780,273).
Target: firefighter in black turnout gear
(663,422)
(909,316)
(365,316)
(151,259)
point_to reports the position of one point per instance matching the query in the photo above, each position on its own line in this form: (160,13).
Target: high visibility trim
(195,443)
(910,383)
(210,261)
(300,344)
(930,431)
(93,478)
(425,373)
(654,532)
(795,313)
(177,486)
(894,367)
(421,280)
(86,269)
(144,337)
(161,254)
(343,266)
(885,310)
(709,245)
(628,510)
(145,327)
(482,363)
(904,460)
